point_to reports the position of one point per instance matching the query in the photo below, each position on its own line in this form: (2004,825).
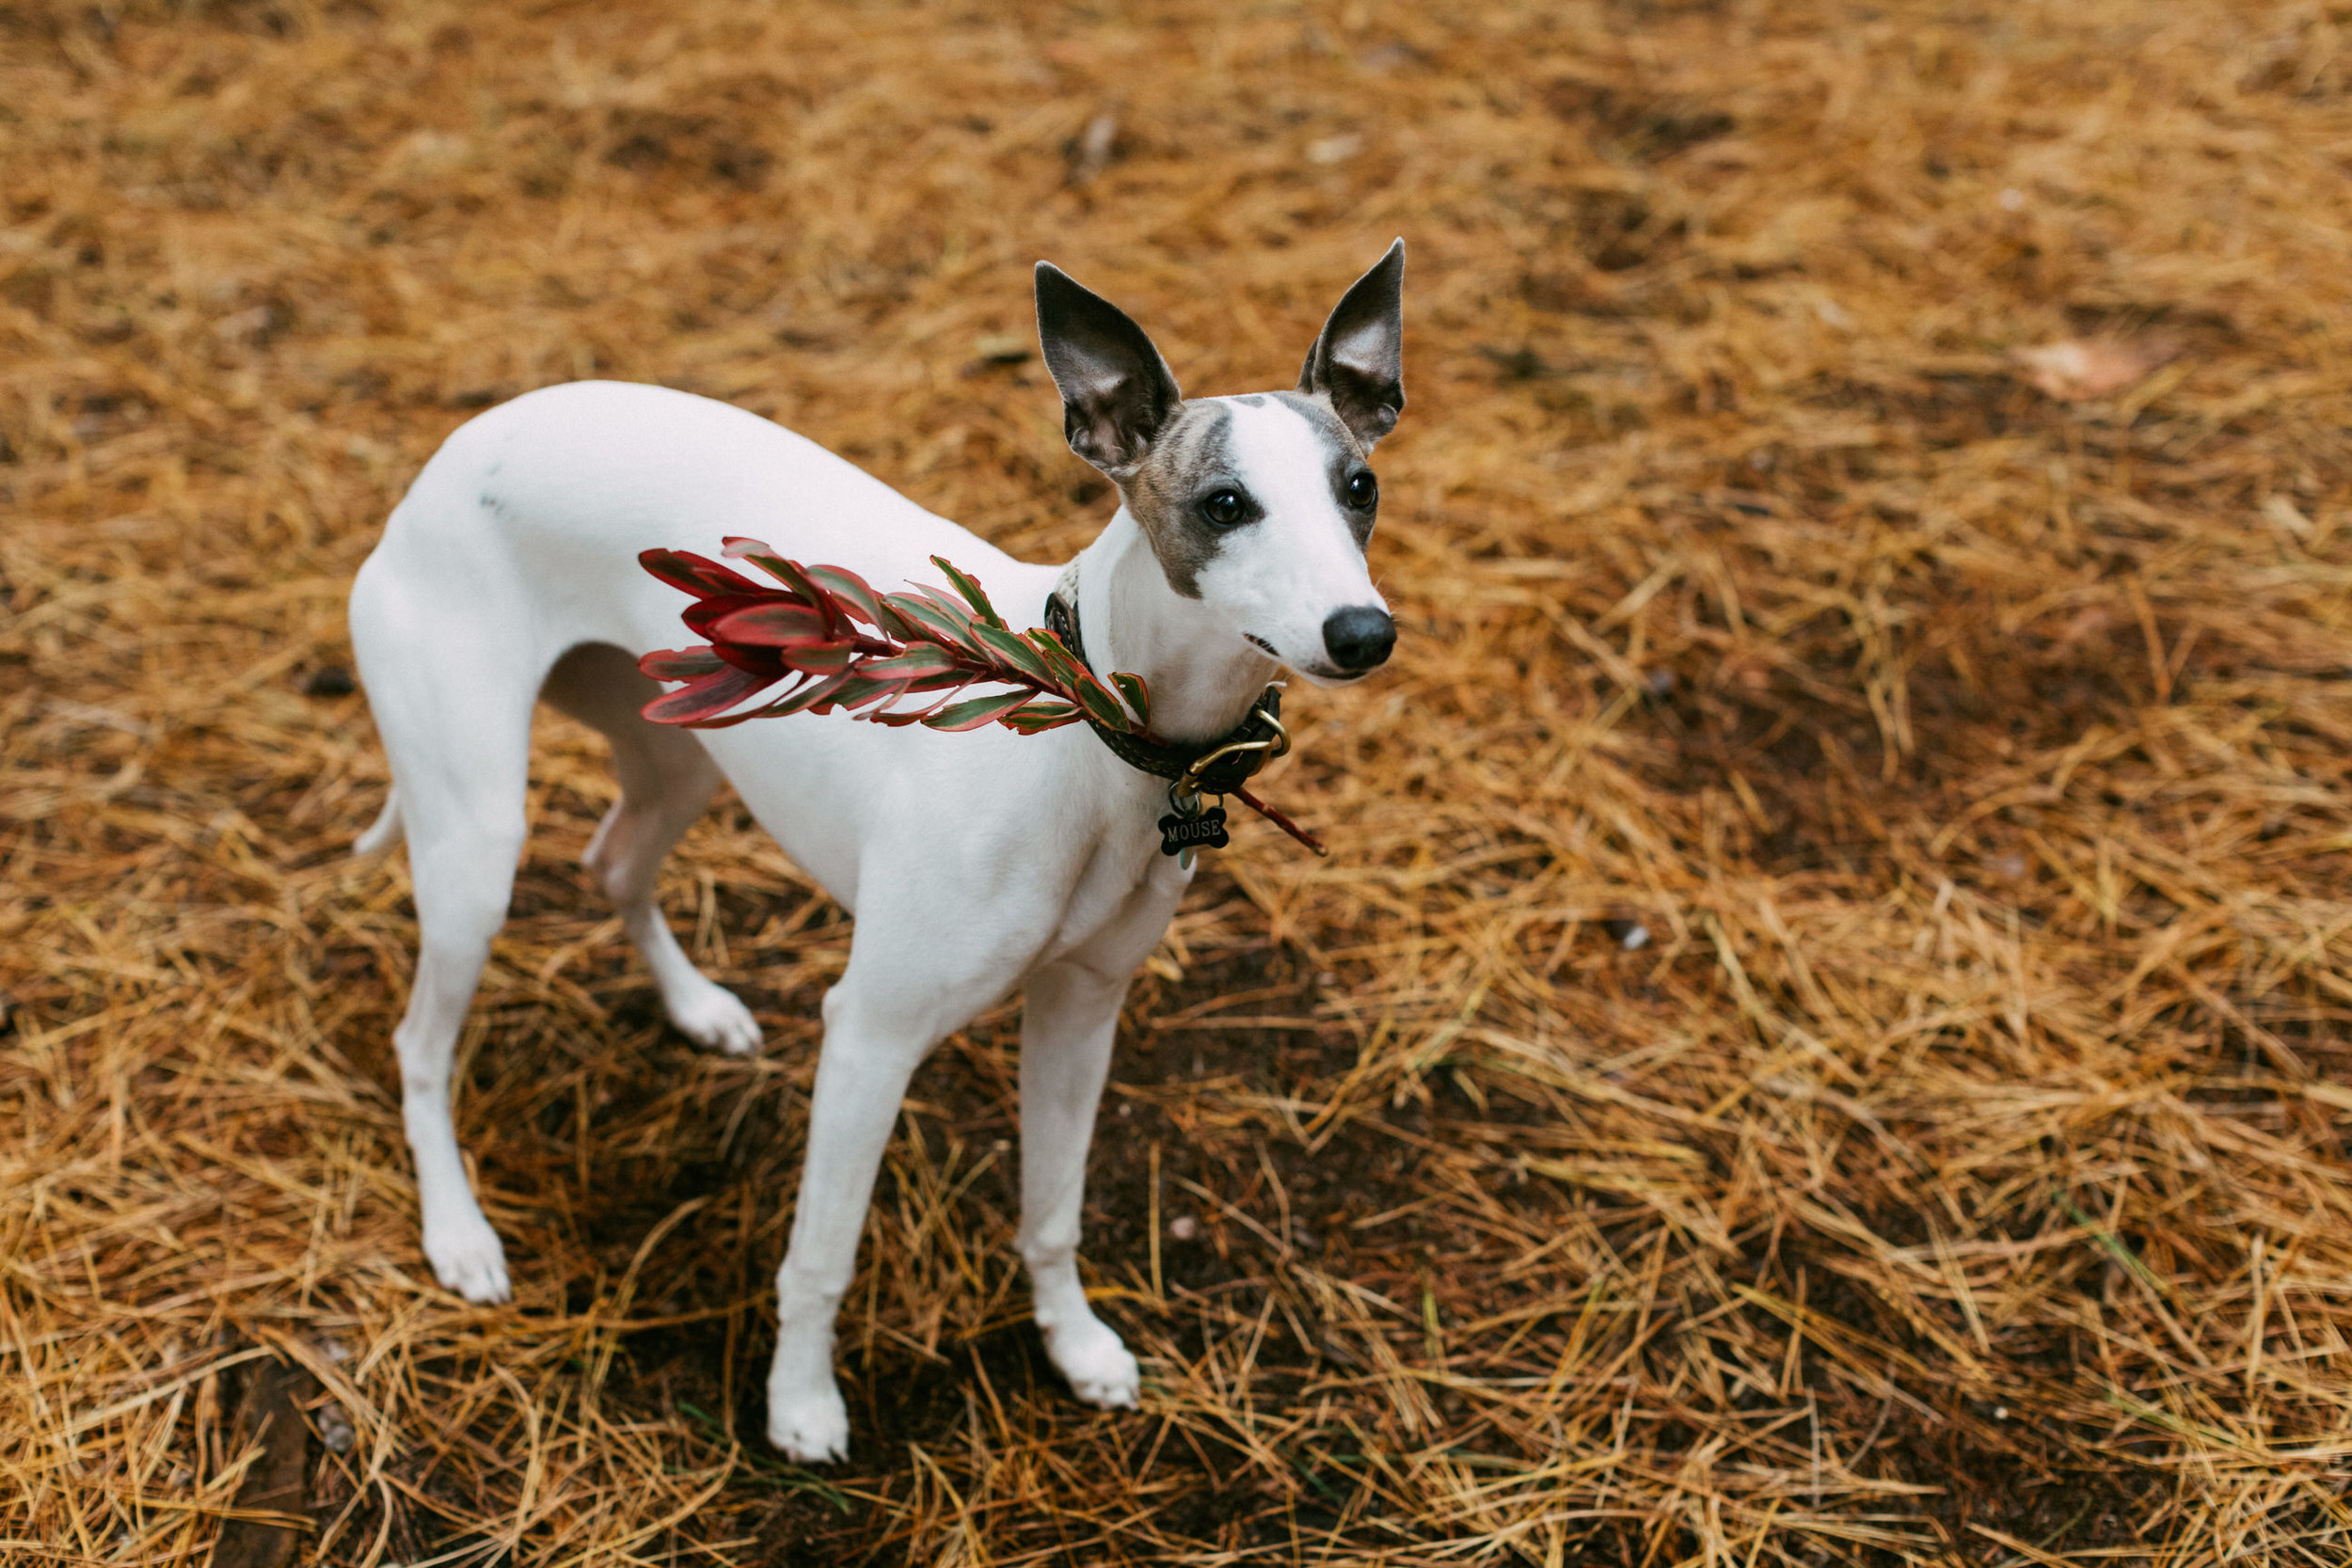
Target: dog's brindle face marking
(1295,551)
(1259,506)
(1200,452)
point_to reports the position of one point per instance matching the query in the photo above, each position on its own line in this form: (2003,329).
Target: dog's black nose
(1359,637)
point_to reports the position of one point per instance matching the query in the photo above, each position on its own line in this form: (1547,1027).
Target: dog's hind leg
(456,727)
(667,779)
(1069,1016)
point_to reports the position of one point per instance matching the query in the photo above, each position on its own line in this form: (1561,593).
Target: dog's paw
(1101,1372)
(809,1428)
(466,1258)
(715,1019)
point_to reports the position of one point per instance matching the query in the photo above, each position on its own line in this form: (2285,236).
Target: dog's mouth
(1320,674)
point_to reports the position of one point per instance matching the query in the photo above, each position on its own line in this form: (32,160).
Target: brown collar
(1220,767)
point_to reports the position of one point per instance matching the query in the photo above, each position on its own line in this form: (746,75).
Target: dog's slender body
(974,864)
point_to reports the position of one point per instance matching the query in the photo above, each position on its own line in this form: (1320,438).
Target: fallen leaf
(1002,348)
(1094,149)
(2072,370)
(2087,622)
(2281,514)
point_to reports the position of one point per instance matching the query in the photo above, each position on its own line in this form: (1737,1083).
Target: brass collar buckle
(1277,744)
(1225,768)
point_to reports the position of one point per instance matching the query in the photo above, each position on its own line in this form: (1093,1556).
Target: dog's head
(1258,507)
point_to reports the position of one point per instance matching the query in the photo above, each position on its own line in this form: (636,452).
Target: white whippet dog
(974,864)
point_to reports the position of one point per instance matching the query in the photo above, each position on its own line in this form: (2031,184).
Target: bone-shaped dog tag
(1201,829)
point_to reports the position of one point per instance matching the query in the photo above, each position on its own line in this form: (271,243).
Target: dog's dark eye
(1362,489)
(1224,508)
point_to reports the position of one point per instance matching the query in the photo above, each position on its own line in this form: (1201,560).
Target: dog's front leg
(880,1021)
(1068,1020)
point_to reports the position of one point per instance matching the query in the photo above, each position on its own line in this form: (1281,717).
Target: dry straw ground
(1958,1173)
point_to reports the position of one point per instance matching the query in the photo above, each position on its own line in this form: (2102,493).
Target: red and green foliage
(842,645)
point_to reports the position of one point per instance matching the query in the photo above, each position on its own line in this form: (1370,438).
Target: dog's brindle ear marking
(1359,362)
(1115,390)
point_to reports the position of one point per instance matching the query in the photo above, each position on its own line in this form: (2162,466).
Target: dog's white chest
(1122,899)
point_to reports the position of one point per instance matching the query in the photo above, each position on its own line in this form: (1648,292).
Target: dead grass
(1958,1172)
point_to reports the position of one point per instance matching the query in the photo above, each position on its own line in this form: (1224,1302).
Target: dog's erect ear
(1116,389)
(1359,362)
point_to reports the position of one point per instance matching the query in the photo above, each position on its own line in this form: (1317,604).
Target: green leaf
(937,624)
(897,717)
(852,591)
(1012,650)
(1139,697)
(1067,672)
(765,558)
(955,608)
(895,622)
(1100,706)
(858,690)
(970,588)
(1039,717)
(921,662)
(806,695)
(973,712)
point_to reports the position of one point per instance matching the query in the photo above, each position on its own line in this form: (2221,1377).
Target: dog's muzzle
(1358,637)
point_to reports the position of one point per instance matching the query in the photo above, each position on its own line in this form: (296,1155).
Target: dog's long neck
(1202,675)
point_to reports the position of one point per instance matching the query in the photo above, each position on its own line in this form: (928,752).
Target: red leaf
(681,664)
(699,702)
(792,573)
(752,659)
(819,658)
(779,623)
(695,574)
(703,614)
